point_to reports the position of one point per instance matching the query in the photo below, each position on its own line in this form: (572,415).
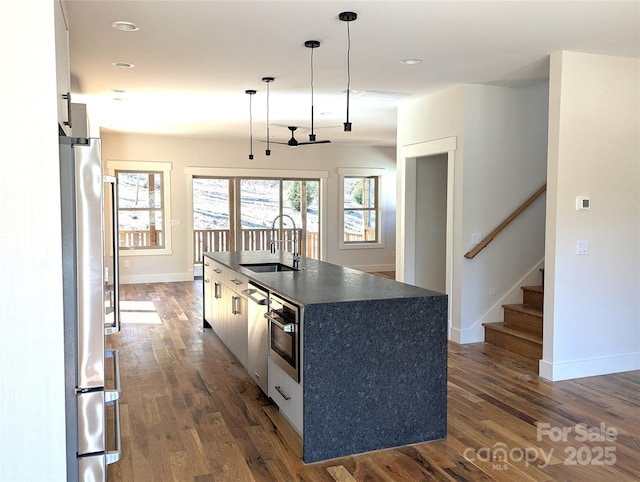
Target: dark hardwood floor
(191,413)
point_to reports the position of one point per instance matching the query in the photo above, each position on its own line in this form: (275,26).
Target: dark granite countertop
(317,281)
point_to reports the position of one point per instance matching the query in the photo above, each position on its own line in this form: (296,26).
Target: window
(234,209)
(360,214)
(143,206)
(237,213)
(292,203)
(140,209)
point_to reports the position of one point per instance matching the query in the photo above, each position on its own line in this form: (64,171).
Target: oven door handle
(288,328)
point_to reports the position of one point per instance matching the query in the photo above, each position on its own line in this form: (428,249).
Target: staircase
(521,330)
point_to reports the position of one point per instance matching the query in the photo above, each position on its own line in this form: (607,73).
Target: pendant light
(268,80)
(348,17)
(251,94)
(312,44)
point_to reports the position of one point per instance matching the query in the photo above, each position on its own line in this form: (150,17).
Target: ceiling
(195,59)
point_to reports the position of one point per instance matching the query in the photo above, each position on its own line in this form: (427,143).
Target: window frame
(164,168)
(285,174)
(376,173)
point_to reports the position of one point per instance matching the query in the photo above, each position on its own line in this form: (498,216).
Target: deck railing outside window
(136,239)
(206,240)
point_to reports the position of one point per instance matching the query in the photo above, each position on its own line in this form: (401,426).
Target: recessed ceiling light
(123,65)
(119,94)
(125,26)
(411,61)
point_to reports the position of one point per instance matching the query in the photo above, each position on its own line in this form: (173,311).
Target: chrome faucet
(296,255)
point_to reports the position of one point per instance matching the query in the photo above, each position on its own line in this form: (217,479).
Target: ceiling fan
(293,142)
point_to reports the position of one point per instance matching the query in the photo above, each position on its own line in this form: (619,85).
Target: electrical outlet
(492,291)
(126,263)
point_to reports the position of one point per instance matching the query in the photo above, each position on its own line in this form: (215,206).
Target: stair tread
(514,331)
(538,289)
(531,310)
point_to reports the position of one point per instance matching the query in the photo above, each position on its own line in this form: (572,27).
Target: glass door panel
(259,206)
(212,208)
(300,201)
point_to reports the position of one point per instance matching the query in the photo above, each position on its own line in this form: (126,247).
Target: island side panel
(375,375)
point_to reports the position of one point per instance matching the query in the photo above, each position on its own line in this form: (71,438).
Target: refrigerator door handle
(114,327)
(111,395)
(113,456)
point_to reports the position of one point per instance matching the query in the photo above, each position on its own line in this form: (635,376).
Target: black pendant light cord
(347,125)
(268,151)
(312,136)
(312,44)
(251,93)
(348,17)
(268,80)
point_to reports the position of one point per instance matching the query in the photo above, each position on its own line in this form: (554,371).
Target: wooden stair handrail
(471,254)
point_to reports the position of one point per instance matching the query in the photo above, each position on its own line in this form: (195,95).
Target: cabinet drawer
(235,281)
(287,394)
(216,268)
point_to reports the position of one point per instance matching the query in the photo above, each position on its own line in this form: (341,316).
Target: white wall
(427,126)
(592,307)
(504,164)
(32,418)
(500,160)
(186,153)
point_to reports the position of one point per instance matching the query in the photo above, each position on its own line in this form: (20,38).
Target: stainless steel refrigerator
(91,309)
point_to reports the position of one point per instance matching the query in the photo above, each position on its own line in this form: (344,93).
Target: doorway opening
(431,222)
(416,164)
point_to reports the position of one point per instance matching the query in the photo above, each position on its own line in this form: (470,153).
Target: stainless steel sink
(268,267)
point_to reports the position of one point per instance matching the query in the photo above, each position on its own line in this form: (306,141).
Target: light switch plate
(583,246)
(175,223)
(476,238)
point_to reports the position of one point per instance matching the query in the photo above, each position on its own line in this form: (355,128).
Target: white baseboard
(475,334)
(512,296)
(156,278)
(588,368)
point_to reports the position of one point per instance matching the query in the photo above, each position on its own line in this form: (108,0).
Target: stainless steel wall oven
(284,334)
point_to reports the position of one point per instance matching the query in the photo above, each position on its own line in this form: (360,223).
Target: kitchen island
(373,354)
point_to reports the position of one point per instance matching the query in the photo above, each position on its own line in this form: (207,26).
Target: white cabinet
(80,120)
(207,281)
(237,315)
(219,309)
(63,76)
(237,326)
(257,338)
(213,297)
(287,394)
(225,307)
